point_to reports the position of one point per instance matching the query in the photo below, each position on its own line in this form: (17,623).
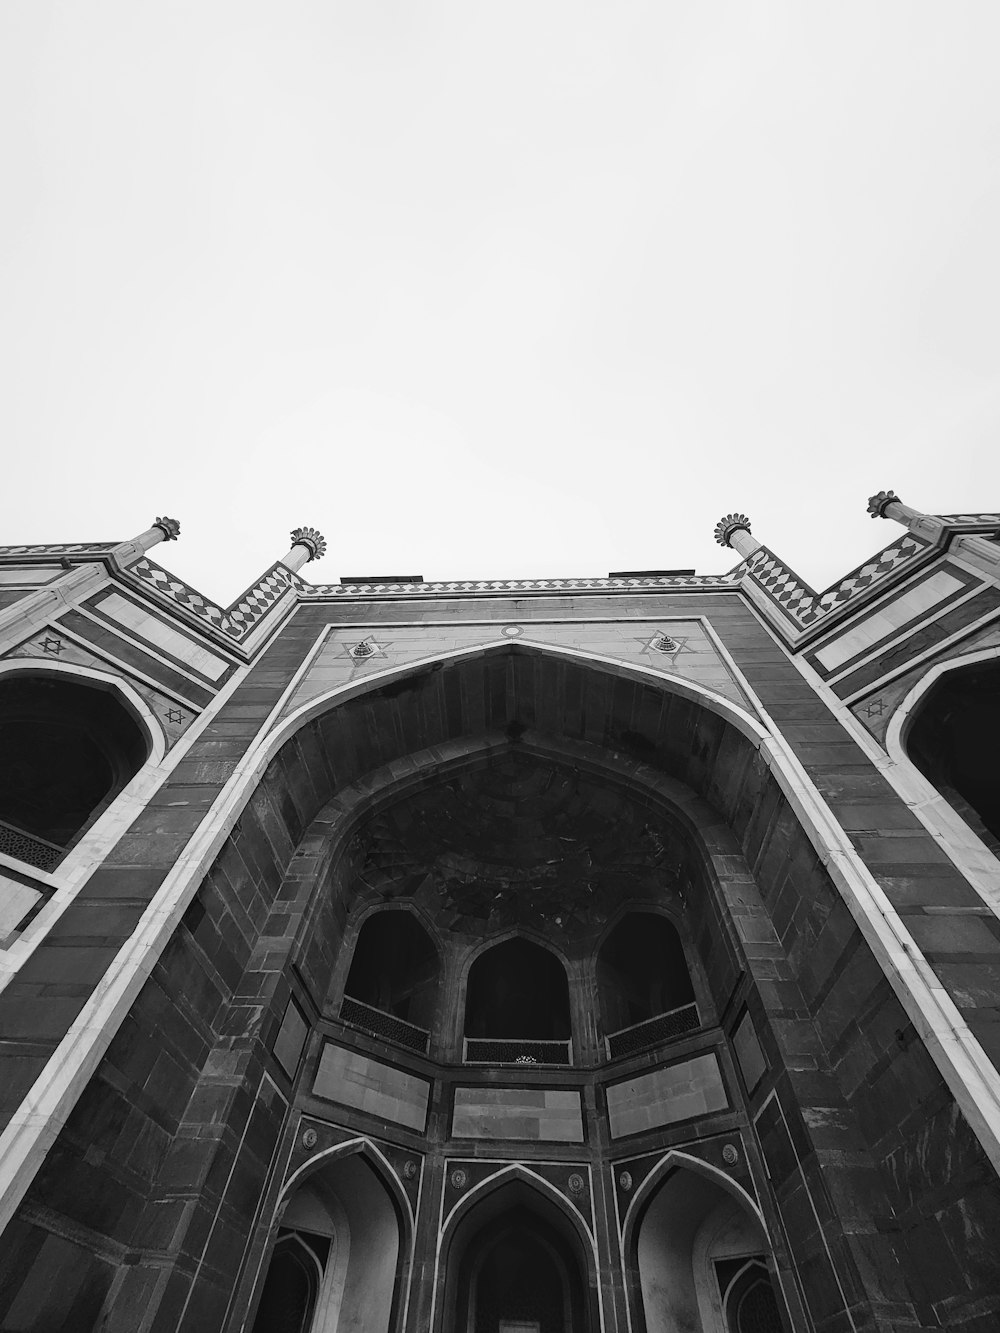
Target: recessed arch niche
(394,972)
(336,1263)
(697,1258)
(519,857)
(953,739)
(515,1261)
(70,746)
(517,989)
(644,983)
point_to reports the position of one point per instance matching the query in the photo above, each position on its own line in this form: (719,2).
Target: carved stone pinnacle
(877,504)
(169,527)
(725,527)
(312,540)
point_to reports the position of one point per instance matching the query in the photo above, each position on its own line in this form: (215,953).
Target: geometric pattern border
(240,619)
(802,605)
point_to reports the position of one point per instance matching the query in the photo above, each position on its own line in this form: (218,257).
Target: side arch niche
(953,739)
(336,1262)
(392,985)
(515,1263)
(697,1259)
(518,998)
(644,984)
(69,747)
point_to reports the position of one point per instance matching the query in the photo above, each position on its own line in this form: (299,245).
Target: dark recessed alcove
(641,971)
(395,967)
(518,989)
(954,741)
(68,749)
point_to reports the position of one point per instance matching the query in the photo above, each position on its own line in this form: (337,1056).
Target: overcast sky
(496,290)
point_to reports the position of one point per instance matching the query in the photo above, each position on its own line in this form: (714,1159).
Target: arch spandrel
(697,665)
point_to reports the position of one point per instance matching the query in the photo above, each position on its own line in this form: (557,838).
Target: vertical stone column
(734,531)
(975,550)
(162,530)
(307,544)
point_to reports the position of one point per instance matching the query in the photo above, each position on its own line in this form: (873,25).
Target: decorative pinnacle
(725,527)
(877,504)
(169,527)
(312,540)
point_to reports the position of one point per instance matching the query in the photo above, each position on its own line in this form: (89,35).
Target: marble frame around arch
(364,1147)
(451,1222)
(678,1160)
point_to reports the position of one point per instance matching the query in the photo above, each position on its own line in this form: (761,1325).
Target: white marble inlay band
(891,618)
(154,631)
(30,576)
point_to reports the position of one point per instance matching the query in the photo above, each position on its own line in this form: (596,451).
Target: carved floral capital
(877,504)
(170,528)
(725,527)
(312,539)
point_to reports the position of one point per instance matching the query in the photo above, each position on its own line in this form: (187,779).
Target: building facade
(610,955)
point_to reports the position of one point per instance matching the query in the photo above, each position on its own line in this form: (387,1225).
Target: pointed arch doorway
(337,1258)
(697,1256)
(514,1262)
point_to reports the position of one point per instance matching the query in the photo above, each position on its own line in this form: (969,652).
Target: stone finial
(878,504)
(170,528)
(725,527)
(312,540)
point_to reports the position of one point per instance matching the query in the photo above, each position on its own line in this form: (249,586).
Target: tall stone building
(616,955)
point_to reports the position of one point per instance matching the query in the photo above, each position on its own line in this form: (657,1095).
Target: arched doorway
(698,1259)
(336,1258)
(515,1264)
(644,984)
(68,749)
(517,1006)
(391,988)
(953,742)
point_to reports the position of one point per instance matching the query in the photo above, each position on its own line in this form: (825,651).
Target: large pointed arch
(389,1197)
(516,1182)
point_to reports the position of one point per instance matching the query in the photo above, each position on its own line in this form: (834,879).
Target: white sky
(496,290)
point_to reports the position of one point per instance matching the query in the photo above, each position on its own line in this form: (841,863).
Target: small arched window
(517,1007)
(954,740)
(66,751)
(644,984)
(391,988)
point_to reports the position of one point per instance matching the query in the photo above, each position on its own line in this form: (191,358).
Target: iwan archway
(513,748)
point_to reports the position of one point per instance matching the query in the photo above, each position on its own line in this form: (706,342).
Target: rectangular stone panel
(749,1055)
(353,1079)
(291,1038)
(154,631)
(545,1115)
(664,1096)
(30,575)
(889,619)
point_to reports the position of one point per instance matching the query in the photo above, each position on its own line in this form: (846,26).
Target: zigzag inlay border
(802,605)
(66,548)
